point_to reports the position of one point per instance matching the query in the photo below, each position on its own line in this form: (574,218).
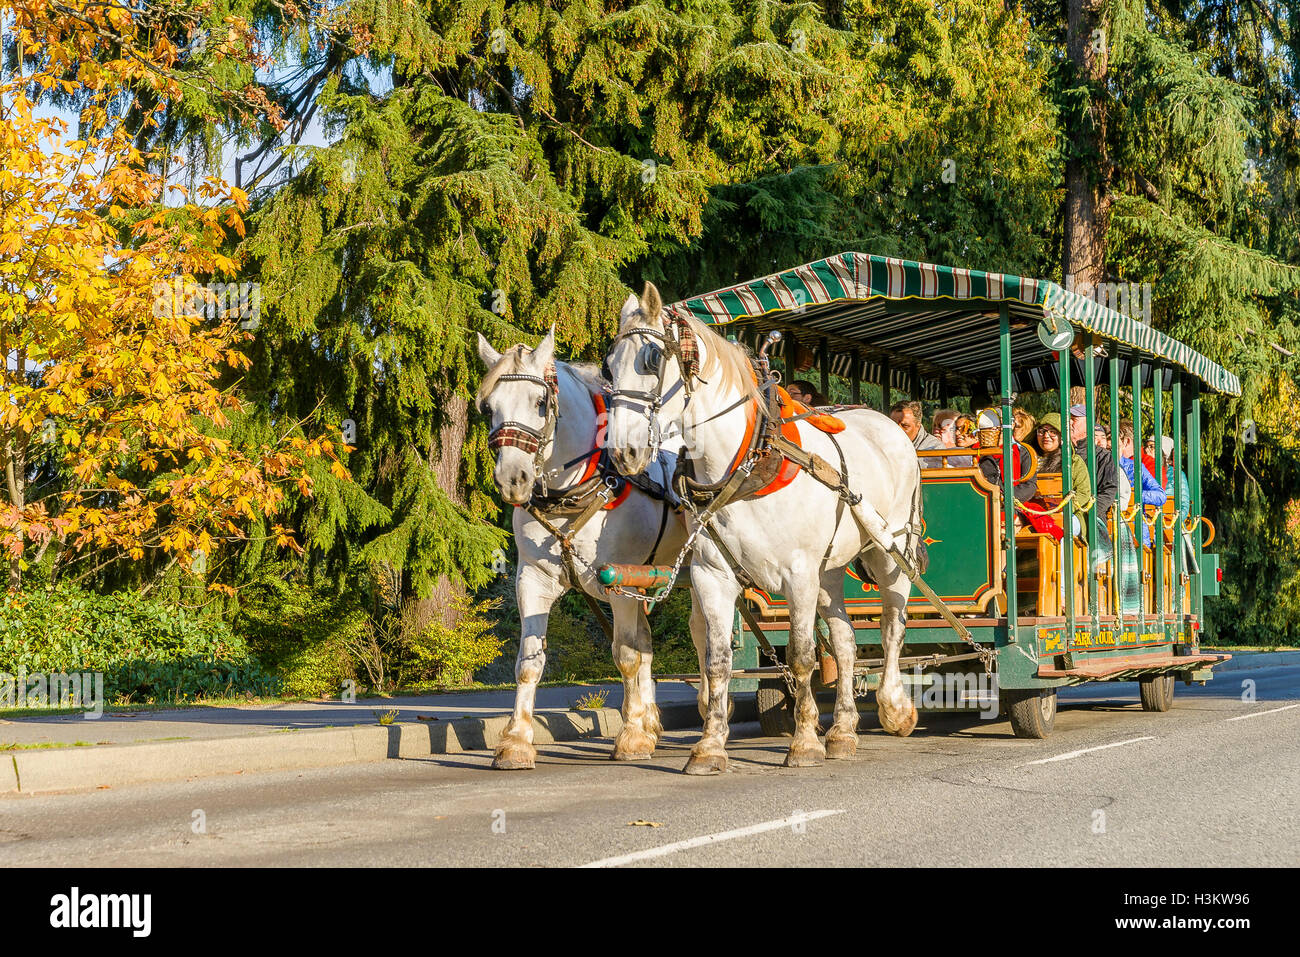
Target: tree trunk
(1087,172)
(445,460)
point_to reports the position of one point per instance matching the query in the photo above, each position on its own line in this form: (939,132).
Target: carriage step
(635,576)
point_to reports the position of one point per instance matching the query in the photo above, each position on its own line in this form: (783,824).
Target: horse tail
(919,554)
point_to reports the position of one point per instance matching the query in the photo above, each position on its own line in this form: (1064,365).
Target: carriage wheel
(1157,692)
(775,708)
(1032,711)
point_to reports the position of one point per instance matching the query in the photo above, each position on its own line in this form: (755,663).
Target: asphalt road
(1213,782)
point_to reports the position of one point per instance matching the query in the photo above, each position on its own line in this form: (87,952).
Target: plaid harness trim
(523,437)
(517,435)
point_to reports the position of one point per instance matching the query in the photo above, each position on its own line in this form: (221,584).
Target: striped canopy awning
(940,320)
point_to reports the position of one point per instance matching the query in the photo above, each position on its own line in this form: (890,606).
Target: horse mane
(587,373)
(728,361)
(509,362)
(512,360)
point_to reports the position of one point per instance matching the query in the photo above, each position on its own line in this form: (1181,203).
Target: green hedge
(148,650)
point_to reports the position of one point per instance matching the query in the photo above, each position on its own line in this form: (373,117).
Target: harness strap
(571,569)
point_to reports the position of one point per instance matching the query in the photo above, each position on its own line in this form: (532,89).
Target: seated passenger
(801,390)
(1107,485)
(908,415)
(1050,444)
(990,459)
(944,428)
(1153,492)
(1024,425)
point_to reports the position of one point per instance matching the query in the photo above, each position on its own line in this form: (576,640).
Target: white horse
(544,418)
(796,541)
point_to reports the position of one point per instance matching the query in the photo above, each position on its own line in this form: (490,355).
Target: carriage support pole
(1008,496)
(1067,484)
(1158,533)
(1090,529)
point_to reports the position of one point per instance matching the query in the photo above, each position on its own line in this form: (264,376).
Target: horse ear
(630,306)
(544,354)
(489,355)
(651,303)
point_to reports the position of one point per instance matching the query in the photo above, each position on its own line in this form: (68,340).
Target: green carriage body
(933,332)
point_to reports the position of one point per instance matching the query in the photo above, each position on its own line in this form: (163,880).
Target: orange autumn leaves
(115,354)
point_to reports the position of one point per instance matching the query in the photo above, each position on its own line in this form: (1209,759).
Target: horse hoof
(706,764)
(841,746)
(805,757)
(899,726)
(633,745)
(515,757)
(624,754)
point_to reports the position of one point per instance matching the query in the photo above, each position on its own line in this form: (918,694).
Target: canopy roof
(940,319)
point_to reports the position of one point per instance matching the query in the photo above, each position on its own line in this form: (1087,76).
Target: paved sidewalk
(136,727)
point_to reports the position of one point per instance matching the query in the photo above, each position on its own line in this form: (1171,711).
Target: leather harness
(600,487)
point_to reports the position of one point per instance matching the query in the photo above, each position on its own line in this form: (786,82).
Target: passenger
(967,435)
(1101,432)
(1153,493)
(944,428)
(1184,490)
(1149,459)
(1130,583)
(801,390)
(909,416)
(1049,444)
(1107,484)
(990,459)
(1024,425)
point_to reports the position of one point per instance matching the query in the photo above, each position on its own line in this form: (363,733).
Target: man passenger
(909,417)
(1107,484)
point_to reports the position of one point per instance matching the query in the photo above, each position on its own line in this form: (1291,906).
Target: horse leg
(842,738)
(700,638)
(535,593)
(805,749)
(715,595)
(894,705)
(632,654)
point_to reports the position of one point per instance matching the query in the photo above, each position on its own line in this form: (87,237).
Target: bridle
(678,342)
(524,437)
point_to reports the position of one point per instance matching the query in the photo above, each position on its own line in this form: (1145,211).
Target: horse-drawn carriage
(819,552)
(935,332)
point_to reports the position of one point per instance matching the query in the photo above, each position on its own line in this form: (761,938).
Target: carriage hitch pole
(870,521)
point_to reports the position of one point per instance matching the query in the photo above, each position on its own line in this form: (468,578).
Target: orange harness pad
(818,420)
(789,408)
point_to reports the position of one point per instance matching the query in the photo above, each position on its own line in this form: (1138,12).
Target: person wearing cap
(1106,486)
(989,429)
(1101,435)
(909,417)
(1049,441)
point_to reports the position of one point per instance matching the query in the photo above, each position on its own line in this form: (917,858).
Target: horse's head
(650,364)
(520,395)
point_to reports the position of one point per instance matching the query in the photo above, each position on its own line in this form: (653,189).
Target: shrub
(301,634)
(147,649)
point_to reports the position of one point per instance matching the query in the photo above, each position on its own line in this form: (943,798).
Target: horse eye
(650,358)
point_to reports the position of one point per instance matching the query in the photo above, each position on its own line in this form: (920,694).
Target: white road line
(1075,754)
(711,839)
(1256,714)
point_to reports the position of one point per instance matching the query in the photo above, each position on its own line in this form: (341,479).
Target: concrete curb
(73,768)
(1242,660)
